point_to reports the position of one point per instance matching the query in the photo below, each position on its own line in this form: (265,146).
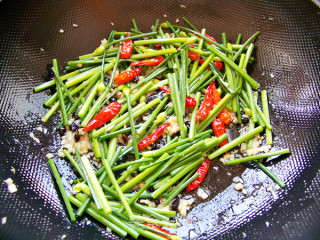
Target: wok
(287,66)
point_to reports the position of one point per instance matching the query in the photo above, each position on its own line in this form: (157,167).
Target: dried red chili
(127,76)
(190,102)
(126,48)
(148,62)
(156,227)
(219,129)
(202,170)
(152,137)
(104,116)
(207,103)
(224,114)
(158,46)
(219,65)
(211,38)
(194,56)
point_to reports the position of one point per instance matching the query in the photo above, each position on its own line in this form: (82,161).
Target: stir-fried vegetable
(155,96)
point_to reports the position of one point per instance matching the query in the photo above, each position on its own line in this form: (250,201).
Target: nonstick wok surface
(287,66)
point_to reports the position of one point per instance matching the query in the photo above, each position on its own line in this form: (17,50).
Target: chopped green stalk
(96,147)
(99,218)
(85,107)
(270,174)
(83,207)
(84,76)
(95,184)
(161,181)
(56,73)
(181,186)
(155,221)
(152,117)
(174,179)
(236,142)
(234,66)
(262,116)
(135,96)
(51,83)
(73,162)
(183,78)
(153,53)
(115,121)
(148,234)
(133,131)
(153,164)
(244,46)
(127,164)
(175,169)
(61,103)
(176,102)
(201,79)
(201,68)
(239,38)
(137,113)
(163,41)
(257,157)
(196,62)
(62,190)
(214,112)
(231,81)
(117,187)
(95,107)
(140,176)
(264,99)
(192,131)
(190,24)
(116,133)
(134,24)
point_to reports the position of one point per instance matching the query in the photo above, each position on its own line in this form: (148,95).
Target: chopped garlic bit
(184,206)
(177,20)
(75,25)
(34,138)
(61,30)
(13,170)
(165,15)
(49,155)
(202,194)
(12,188)
(42,49)
(183,6)
(4,220)
(63,236)
(238,186)
(112,23)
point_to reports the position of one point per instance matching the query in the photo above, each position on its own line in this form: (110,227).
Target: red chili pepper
(202,170)
(103,117)
(148,62)
(127,76)
(126,48)
(219,129)
(156,227)
(207,104)
(165,89)
(219,65)
(212,38)
(190,102)
(224,114)
(158,46)
(194,56)
(152,137)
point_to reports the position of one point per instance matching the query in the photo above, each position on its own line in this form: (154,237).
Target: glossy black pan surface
(287,65)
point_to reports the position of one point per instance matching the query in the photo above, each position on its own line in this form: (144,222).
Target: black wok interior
(287,66)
